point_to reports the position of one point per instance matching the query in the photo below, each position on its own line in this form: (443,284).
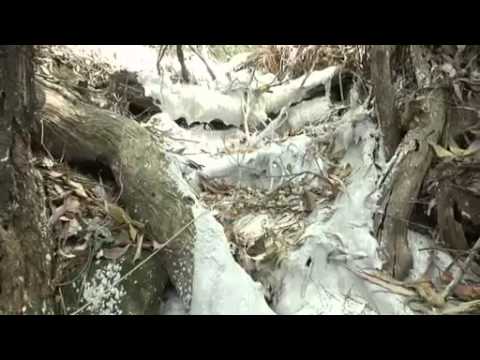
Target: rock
(139,294)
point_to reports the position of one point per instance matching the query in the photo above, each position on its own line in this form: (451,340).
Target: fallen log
(413,159)
(81,133)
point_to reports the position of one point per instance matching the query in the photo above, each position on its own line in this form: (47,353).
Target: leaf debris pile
(264,226)
(86,224)
(95,81)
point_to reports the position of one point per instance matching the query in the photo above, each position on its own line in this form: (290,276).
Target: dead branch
(461,271)
(210,71)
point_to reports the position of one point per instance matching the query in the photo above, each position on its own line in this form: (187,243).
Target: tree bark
(414,158)
(181,60)
(149,192)
(26,250)
(385,97)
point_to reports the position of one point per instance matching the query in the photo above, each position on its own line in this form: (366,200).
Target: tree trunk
(26,250)
(181,60)
(385,97)
(149,191)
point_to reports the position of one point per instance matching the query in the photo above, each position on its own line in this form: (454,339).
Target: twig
(391,285)
(161,54)
(461,271)
(347,297)
(63,301)
(247,109)
(341,86)
(41,140)
(274,125)
(141,263)
(212,75)
(462,308)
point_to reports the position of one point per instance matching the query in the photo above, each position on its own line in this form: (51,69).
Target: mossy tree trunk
(82,133)
(26,251)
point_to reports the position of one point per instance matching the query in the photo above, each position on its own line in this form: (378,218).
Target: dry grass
(296,60)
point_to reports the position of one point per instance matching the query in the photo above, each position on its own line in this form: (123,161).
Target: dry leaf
(440,151)
(461,291)
(72,228)
(80,193)
(68,256)
(463,152)
(47,163)
(115,253)
(54,174)
(467,292)
(458,91)
(456,151)
(59,189)
(74,184)
(78,189)
(100,192)
(117,213)
(449,69)
(156,245)
(138,252)
(427,292)
(80,248)
(132,232)
(70,205)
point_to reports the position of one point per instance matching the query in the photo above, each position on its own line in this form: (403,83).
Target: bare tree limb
(210,71)
(161,54)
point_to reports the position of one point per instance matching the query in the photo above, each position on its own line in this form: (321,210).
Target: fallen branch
(283,115)
(380,281)
(462,308)
(461,271)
